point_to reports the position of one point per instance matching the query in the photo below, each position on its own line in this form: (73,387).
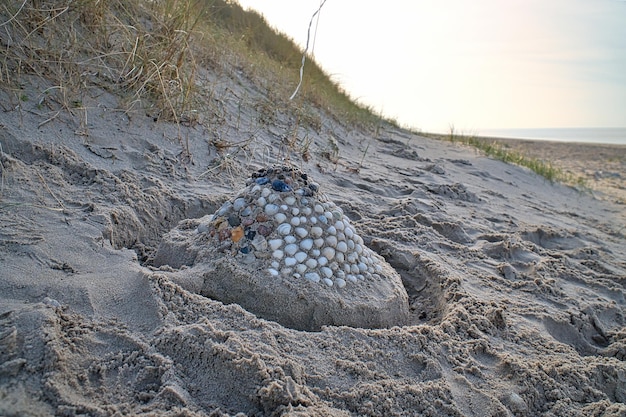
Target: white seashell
(272,198)
(319,242)
(331,241)
(290,239)
(275,243)
(362,267)
(352,257)
(349,232)
(334,266)
(346,267)
(291,249)
(306,211)
(340,274)
(358,249)
(358,239)
(361,277)
(328,215)
(350,243)
(354,269)
(319,209)
(331,230)
(340,257)
(290,200)
(270,209)
(284,229)
(311,263)
(342,247)
(300,256)
(322,261)
(301,268)
(341,236)
(378,268)
(249,259)
(329,253)
(313,220)
(284,207)
(351,278)
(328,282)
(297,275)
(295,221)
(280,217)
(323,219)
(224,209)
(301,231)
(278,254)
(316,231)
(340,282)
(261,202)
(255,189)
(326,271)
(289,261)
(273,272)
(302,220)
(266,192)
(295,211)
(339,225)
(306,244)
(315,253)
(275,264)
(312,276)
(259,243)
(239,203)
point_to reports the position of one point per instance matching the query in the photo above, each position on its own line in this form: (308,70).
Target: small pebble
(273,272)
(342,247)
(278,254)
(289,261)
(328,282)
(300,256)
(290,239)
(340,282)
(311,263)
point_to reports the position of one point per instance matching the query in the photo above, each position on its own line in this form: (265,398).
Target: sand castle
(282,250)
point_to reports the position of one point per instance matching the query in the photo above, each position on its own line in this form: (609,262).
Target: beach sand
(515,284)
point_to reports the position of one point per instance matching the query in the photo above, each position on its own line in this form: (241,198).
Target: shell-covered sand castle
(282,250)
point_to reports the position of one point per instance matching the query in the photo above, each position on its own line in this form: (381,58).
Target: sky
(474,65)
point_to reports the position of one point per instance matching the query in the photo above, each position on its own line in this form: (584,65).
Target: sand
(515,284)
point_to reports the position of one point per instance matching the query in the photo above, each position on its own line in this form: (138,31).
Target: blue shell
(280,186)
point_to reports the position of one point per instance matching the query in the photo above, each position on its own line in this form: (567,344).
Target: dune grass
(151,53)
(498,151)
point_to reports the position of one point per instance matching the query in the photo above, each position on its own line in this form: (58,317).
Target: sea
(612,135)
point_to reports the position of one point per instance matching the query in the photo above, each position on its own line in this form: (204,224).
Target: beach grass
(497,150)
(152,54)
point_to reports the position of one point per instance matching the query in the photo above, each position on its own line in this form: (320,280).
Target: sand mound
(281,249)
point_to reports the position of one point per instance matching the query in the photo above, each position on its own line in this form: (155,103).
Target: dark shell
(280,186)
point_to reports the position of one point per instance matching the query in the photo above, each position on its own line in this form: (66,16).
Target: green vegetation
(153,52)
(498,151)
